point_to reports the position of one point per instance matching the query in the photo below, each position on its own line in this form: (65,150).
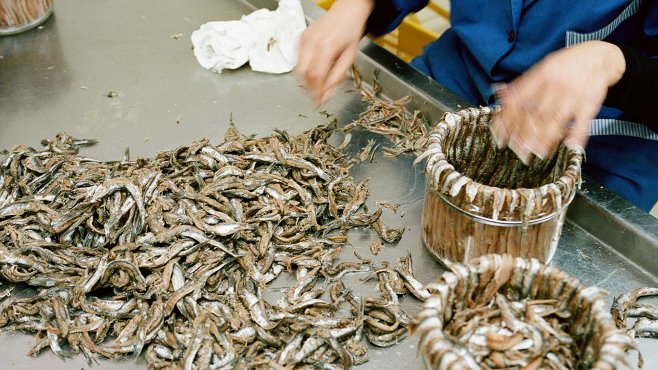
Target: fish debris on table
(408,132)
(626,305)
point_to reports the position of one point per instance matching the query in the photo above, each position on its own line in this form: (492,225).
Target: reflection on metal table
(57,77)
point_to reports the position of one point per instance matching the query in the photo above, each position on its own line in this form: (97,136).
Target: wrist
(358,8)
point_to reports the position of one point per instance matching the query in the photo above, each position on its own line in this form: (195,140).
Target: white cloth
(268,39)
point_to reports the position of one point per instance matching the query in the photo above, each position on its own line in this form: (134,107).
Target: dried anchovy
(502,312)
(375,245)
(171,256)
(626,305)
(408,132)
(368,151)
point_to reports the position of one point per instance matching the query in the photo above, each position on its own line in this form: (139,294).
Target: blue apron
(495,41)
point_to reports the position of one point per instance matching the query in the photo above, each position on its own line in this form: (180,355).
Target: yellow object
(324,4)
(408,39)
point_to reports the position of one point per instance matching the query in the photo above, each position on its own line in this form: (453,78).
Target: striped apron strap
(606,126)
(573,38)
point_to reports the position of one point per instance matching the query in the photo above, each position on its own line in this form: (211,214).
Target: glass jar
(21,15)
(481,199)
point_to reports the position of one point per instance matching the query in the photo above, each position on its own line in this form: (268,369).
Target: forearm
(636,92)
(360,9)
(328,46)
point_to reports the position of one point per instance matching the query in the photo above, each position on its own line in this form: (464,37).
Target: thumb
(578,134)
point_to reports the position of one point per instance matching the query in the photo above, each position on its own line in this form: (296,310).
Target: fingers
(303,58)
(499,127)
(578,135)
(535,117)
(556,99)
(313,64)
(337,73)
(542,128)
(518,123)
(328,46)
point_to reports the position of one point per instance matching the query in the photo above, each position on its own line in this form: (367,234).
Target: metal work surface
(57,78)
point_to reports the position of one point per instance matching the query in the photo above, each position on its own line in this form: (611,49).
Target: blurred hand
(328,47)
(557,99)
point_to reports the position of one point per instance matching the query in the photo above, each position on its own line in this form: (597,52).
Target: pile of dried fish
(626,305)
(502,312)
(408,132)
(481,199)
(503,339)
(172,256)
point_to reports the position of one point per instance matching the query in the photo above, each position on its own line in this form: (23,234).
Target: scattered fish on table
(408,132)
(626,305)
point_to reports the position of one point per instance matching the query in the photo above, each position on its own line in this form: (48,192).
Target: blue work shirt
(495,41)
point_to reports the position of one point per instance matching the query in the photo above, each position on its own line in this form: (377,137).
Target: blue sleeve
(651,19)
(650,27)
(388,14)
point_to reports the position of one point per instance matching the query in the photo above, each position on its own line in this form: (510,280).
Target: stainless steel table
(57,78)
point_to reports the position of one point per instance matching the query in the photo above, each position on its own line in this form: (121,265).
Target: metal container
(21,15)
(481,199)
(460,325)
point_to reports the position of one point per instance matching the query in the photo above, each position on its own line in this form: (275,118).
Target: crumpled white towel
(269,40)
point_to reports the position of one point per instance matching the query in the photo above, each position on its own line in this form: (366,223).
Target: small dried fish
(375,245)
(623,302)
(405,269)
(408,132)
(367,151)
(644,328)
(462,325)
(171,256)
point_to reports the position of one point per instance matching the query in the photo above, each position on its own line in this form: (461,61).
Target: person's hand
(328,47)
(557,99)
